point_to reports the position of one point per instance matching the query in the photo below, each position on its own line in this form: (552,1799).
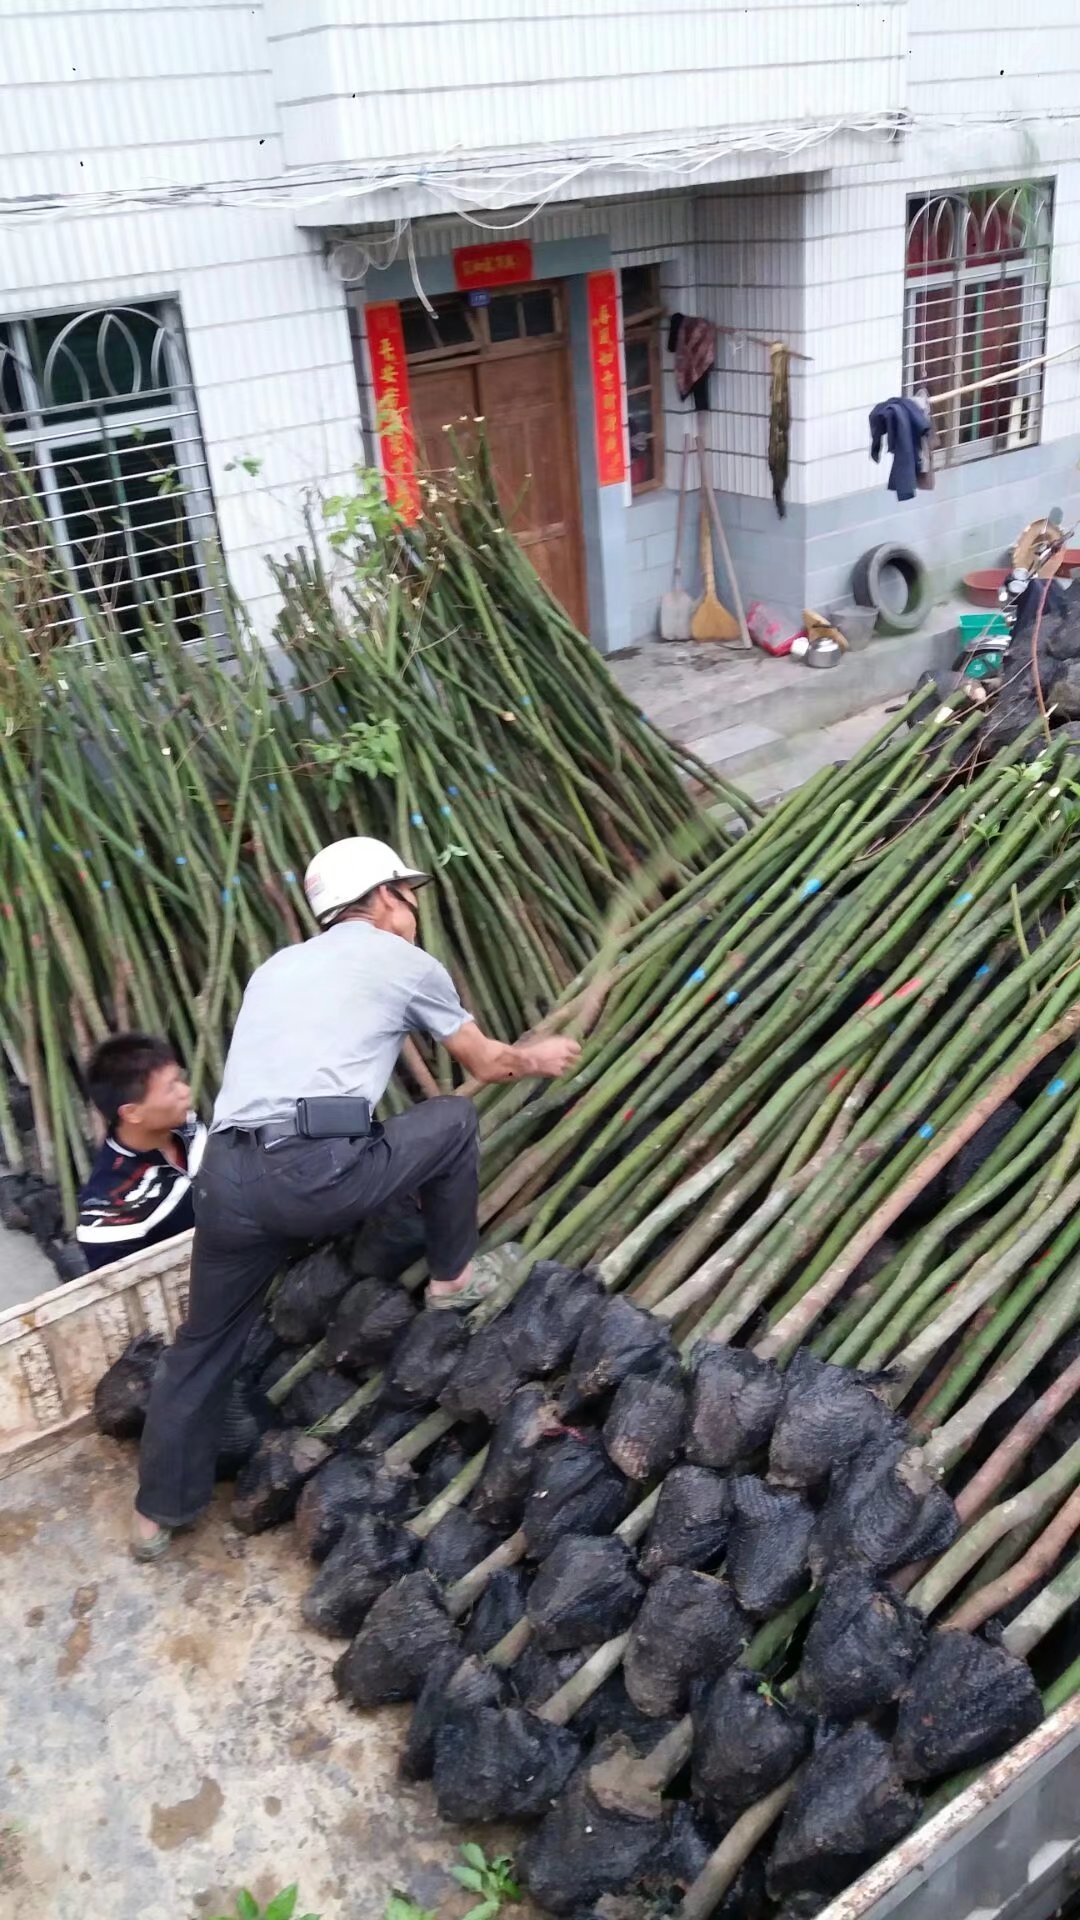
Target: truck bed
(170,1733)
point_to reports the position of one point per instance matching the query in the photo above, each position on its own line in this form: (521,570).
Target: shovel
(711,620)
(676,606)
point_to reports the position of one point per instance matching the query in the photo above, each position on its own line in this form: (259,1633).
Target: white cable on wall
(521,185)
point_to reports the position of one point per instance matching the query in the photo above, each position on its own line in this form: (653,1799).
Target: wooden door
(525,400)
(442,396)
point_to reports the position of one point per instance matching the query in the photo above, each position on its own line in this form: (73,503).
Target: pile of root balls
(650,1603)
(743,1520)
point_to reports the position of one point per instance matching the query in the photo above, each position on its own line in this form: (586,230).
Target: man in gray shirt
(295,1156)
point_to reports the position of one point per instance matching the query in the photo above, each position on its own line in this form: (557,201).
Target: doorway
(504,358)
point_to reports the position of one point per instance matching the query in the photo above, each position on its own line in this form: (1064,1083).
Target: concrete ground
(769,724)
(170,1734)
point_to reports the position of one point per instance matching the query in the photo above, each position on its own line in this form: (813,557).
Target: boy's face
(165,1104)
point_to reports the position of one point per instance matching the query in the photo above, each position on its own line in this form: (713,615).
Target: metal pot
(825,654)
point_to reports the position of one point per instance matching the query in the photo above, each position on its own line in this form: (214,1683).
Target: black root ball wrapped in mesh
(309,1292)
(746,1741)
(573,1488)
(403,1635)
(319,1394)
(644,1428)
(268,1485)
(549,1315)
(511,1456)
(863,1644)
(367,1325)
(587,1590)
(583,1849)
(768,1544)
(827,1414)
(248,1415)
(485,1376)
(884,1508)
(734,1401)
(499,1608)
(691,1523)
(690,1627)
(849,1807)
(372,1552)
(122,1395)
(618,1339)
(343,1489)
(966,1702)
(500,1763)
(453,1685)
(457,1542)
(424,1359)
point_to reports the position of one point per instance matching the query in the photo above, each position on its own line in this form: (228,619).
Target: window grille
(104,499)
(977,273)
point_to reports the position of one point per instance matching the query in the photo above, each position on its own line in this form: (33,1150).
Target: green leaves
(444,858)
(399,1907)
(358,521)
(368,748)
(493,1879)
(281,1907)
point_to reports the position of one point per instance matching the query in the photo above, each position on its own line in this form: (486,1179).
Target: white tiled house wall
(265,322)
(979,66)
(643,231)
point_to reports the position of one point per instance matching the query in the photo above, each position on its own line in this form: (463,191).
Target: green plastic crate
(983,626)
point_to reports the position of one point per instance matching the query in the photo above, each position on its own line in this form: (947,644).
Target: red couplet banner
(393,414)
(504,263)
(607,379)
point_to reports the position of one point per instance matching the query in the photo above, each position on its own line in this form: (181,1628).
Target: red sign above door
(393,414)
(501,264)
(607,379)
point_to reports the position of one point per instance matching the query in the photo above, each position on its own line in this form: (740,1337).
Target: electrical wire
(475,188)
(473,191)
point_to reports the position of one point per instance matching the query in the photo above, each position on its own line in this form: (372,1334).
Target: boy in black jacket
(139,1188)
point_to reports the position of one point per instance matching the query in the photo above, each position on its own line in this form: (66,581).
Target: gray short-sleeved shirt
(329,1017)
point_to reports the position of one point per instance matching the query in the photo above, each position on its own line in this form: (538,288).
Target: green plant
(359,520)
(400,1907)
(367,747)
(281,1907)
(493,1880)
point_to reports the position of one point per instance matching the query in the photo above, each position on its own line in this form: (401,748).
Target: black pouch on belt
(333,1117)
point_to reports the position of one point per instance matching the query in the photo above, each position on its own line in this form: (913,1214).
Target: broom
(711,620)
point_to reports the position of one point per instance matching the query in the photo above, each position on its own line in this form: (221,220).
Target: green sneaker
(489,1271)
(146,1548)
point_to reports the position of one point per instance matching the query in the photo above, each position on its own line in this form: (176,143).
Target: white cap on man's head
(348,869)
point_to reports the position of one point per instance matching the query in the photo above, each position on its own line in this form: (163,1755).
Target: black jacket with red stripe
(132,1200)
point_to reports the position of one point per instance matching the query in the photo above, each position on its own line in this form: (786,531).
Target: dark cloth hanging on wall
(779,421)
(693,342)
(906,425)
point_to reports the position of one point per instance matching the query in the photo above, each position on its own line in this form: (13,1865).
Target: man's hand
(489,1060)
(550,1056)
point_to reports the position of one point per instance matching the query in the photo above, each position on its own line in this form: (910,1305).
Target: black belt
(269,1135)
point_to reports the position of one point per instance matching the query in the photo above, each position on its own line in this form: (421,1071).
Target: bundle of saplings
(160,801)
(774,1427)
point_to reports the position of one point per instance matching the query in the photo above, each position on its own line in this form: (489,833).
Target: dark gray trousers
(254,1206)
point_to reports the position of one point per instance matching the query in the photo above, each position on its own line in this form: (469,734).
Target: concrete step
(724,704)
(798,756)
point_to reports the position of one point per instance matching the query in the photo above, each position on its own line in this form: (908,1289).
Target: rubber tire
(866,587)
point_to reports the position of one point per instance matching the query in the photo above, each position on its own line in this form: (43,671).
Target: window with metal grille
(642,313)
(104,499)
(977,273)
